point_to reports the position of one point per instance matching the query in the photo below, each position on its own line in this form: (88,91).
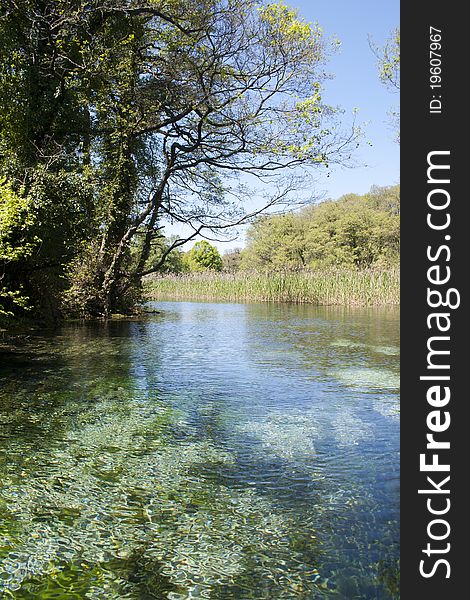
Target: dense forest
(354,231)
(117,117)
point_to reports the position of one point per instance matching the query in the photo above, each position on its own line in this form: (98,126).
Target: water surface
(223,451)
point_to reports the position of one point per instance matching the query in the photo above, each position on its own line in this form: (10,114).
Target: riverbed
(212,450)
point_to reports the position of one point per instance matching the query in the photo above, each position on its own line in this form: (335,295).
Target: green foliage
(16,221)
(203,257)
(284,22)
(354,231)
(83,295)
(17,243)
(114,120)
(275,242)
(41,233)
(231,260)
(164,257)
(174,263)
(41,101)
(64,208)
(389,61)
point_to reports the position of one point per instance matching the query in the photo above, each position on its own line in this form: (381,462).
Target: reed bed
(320,287)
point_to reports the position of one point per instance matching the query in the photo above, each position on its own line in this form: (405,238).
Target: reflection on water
(221,451)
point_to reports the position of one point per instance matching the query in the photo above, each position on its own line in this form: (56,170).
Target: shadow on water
(214,451)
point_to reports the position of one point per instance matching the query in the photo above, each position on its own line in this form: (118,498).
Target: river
(222,451)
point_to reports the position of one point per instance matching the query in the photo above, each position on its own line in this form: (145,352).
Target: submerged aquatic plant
(290,436)
(118,483)
(369,378)
(119,486)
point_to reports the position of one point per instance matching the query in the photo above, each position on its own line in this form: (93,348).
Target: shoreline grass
(341,287)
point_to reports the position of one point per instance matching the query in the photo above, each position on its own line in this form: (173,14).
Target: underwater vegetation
(121,481)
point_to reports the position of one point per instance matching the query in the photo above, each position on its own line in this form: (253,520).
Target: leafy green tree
(231,260)
(386,199)
(119,117)
(17,244)
(355,231)
(44,125)
(275,242)
(204,257)
(351,232)
(173,261)
(359,231)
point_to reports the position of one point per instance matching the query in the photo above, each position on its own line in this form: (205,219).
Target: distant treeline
(356,231)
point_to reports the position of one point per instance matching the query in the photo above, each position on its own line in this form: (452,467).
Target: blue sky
(355,85)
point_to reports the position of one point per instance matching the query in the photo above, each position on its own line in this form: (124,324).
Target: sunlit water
(222,451)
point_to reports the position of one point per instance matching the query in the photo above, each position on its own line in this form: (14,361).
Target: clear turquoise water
(223,451)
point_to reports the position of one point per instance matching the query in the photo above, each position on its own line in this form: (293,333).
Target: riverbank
(339,287)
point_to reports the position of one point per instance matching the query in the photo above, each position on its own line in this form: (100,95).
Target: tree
(275,242)
(351,232)
(231,260)
(388,64)
(389,61)
(41,149)
(137,112)
(204,257)
(16,246)
(354,231)
(174,262)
